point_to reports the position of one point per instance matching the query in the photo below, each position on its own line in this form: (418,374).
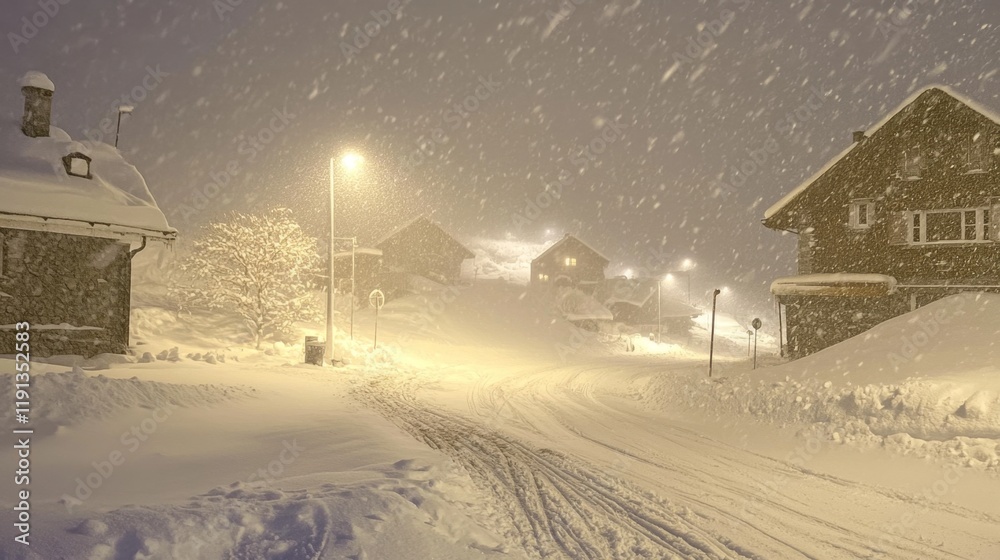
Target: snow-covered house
(421,247)
(364,267)
(569,262)
(633,301)
(72,216)
(906,215)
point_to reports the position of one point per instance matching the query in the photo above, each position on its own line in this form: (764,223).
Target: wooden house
(423,248)
(569,262)
(906,215)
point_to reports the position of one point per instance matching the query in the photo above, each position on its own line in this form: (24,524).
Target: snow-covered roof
(975,106)
(359,251)
(578,306)
(422,217)
(566,238)
(37,193)
(834,284)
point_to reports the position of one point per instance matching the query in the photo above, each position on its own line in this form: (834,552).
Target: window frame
(917,226)
(976,154)
(912,158)
(569,262)
(854,214)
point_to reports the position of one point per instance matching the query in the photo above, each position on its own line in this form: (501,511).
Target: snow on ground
(926,383)
(486,426)
(505,259)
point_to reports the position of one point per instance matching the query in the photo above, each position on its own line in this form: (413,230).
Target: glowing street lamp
(351,162)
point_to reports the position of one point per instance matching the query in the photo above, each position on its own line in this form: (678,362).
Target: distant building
(423,248)
(633,301)
(72,216)
(569,262)
(365,270)
(908,214)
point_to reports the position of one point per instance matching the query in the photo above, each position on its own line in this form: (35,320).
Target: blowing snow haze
(523,279)
(470,109)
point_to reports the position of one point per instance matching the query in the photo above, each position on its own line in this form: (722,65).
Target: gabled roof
(424,219)
(566,238)
(794,194)
(36,192)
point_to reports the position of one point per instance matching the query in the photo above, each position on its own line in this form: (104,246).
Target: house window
(570,261)
(543,277)
(950,226)
(912,164)
(976,154)
(77,165)
(862,214)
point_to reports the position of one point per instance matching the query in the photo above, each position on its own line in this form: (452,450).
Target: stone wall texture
(51,279)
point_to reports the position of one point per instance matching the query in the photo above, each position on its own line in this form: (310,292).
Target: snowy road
(570,466)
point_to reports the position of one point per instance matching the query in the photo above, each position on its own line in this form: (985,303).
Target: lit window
(570,261)
(77,165)
(543,277)
(950,226)
(862,214)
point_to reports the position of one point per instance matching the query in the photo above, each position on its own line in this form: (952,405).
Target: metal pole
(330,297)
(119,129)
(354,244)
(755,349)
(659,314)
(689,287)
(375,340)
(749,332)
(711,343)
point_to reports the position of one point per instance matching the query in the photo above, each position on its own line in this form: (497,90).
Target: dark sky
(688,113)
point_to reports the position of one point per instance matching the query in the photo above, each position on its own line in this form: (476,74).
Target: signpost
(749,334)
(756,326)
(377,300)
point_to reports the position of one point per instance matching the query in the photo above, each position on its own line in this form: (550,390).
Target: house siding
(589,265)
(55,278)
(940,125)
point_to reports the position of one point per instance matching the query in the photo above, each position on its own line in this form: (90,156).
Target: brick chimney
(859,136)
(37,90)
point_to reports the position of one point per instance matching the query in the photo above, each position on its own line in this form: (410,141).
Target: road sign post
(756,326)
(377,300)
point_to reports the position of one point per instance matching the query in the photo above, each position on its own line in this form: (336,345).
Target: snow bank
(926,383)
(72,397)
(504,259)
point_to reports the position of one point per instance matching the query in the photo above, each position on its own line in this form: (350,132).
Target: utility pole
(711,343)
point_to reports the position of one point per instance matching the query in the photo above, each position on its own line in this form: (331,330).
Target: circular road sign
(376,299)
(756,324)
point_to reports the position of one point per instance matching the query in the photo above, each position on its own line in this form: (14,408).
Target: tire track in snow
(550,503)
(779,513)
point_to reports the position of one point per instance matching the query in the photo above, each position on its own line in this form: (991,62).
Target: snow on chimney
(37,89)
(859,136)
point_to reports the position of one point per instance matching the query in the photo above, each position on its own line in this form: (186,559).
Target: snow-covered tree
(258,266)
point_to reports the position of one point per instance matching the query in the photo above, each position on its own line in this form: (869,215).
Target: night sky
(641,107)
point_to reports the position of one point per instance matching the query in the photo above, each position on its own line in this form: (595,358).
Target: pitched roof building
(72,215)
(906,215)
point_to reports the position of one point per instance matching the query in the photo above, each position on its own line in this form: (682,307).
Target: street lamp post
(350,161)
(659,314)
(711,343)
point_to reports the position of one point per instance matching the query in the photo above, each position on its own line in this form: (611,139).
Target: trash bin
(314,350)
